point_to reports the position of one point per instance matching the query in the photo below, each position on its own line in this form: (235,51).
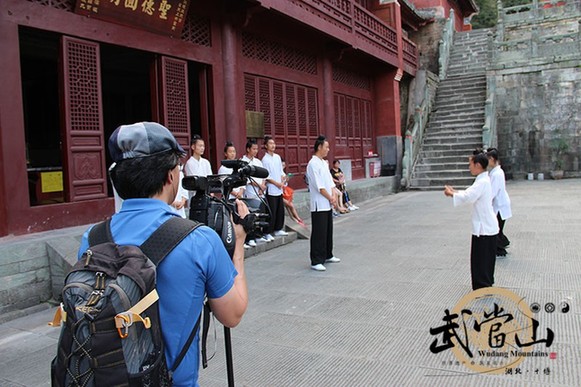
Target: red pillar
(14,200)
(328,107)
(231,99)
(388,122)
(387,105)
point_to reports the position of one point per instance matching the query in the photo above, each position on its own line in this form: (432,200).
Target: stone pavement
(366,320)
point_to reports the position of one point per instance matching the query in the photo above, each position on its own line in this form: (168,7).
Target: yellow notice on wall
(51,181)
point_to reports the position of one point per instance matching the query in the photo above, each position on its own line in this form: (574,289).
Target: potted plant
(560,147)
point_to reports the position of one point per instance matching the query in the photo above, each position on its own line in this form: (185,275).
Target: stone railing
(521,51)
(414,137)
(538,11)
(446,45)
(489,134)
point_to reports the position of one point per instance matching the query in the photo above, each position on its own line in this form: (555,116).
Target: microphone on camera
(246,169)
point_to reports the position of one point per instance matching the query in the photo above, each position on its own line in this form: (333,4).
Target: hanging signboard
(161,16)
(254,124)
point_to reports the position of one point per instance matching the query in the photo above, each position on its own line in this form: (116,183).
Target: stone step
(468,64)
(445,108)
(468,97)
(469,81)
(459,165)
(456,182)
(458,112)
(457,159)
(471,54)
(461,89)
(436,127)
(470,105)
(434,188)
(462,92)
(466,70)
(440,140)
(444,132)
(456,118)
(460,145)
(429,154)
(278,241)
(443,174)
(468,45)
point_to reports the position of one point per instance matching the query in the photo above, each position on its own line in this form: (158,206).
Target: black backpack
(111,334)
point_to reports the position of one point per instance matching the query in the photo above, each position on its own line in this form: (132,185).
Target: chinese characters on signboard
(162,16)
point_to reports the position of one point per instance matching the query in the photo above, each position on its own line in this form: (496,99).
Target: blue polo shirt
(199,265)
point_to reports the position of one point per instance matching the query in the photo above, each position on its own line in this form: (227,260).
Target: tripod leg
(229,365)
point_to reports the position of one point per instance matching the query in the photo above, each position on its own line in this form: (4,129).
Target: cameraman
(146,176)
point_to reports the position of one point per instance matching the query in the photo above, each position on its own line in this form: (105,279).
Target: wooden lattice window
(197,30)
(66,5)
(277,54)
(290,116)
(175,97)
(353,134)
(351,78)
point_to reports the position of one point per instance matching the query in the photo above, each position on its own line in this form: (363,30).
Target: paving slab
(366,321)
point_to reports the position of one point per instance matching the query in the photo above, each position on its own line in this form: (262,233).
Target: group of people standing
(490,209)
(327,189)
(257,190)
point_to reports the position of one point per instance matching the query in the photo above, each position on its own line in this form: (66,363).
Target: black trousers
(482,260)
(277,213)
(501,239)
(321,236)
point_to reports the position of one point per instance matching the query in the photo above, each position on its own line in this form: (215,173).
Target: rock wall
(536,106)
(537,67)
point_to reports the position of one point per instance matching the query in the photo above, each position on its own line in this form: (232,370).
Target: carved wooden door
(82,114)
(174,98)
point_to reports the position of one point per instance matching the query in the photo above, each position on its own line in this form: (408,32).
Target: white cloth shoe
(333,260)
(353,208)
(318,267)
(247,246)
(264,239)
(280,233)
(252,243)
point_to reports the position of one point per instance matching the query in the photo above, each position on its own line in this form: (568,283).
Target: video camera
(211,204)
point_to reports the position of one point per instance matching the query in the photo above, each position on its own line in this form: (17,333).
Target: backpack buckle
(125,319)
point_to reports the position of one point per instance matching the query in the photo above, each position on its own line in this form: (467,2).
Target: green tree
(487,15)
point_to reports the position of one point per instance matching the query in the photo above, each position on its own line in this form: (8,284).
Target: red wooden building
(73,70)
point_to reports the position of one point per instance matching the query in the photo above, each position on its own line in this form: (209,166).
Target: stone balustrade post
(534,42)
(500,22)
(535,9)
(579,32)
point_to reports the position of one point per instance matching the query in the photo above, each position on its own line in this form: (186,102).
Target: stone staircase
(455,124)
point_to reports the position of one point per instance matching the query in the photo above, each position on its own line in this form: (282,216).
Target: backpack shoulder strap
(158,246)
(167,237)
(100,233)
